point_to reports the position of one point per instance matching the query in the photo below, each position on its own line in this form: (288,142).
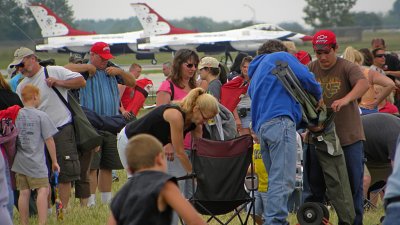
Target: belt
(391,200)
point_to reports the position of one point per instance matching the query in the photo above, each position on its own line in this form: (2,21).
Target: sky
(265,11)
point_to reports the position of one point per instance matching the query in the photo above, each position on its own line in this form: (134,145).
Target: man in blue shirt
(275,115)
(102,96)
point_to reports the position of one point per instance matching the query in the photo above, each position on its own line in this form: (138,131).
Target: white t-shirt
(50,102)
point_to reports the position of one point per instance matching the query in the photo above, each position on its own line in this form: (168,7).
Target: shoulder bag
(86,136)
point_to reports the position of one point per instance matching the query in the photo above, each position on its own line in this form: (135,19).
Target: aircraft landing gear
(313,213)
(154,61)
(228,56)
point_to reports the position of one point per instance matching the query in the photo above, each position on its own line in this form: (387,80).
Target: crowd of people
(342,157)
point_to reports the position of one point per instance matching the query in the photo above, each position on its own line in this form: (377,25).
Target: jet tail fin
(52,25)
(153,23)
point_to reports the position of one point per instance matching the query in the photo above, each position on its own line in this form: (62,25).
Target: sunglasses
(379,55)
(190,65)
(204,117)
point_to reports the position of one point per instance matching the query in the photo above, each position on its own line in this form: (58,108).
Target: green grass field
(98,215)
(7,49)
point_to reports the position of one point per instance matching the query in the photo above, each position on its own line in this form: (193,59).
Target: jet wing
(239,35)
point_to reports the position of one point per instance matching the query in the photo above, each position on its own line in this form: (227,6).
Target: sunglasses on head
(190,65)
(379,55)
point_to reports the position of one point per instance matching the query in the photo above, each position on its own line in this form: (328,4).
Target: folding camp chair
(377,188)
(220,169)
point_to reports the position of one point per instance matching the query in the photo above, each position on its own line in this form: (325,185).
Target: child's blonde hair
(28,92)
(141,151)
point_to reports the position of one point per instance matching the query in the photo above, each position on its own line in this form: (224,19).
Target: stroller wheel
(310,213)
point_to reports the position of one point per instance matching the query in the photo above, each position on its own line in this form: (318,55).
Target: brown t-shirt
(336,83)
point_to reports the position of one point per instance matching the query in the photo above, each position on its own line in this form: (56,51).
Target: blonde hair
(198,97)
(291,46)
(28,92)
(141,151)
(3,83)
(353,55)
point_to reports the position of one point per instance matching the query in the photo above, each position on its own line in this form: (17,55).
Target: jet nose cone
(307,38)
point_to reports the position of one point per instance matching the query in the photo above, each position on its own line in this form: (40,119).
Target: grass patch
(98,215)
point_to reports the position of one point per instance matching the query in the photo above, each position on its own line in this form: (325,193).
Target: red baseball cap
(303,56)
(102,49)
(323,40)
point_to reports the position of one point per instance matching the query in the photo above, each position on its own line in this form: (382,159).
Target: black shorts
(107,157)
(67,154)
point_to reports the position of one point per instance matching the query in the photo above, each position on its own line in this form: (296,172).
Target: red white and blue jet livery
(247,39)
(61,37)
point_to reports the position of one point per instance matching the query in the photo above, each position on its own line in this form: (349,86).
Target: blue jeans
(260,204)
(365,111)
(278,150)
(354,156)
(392,214)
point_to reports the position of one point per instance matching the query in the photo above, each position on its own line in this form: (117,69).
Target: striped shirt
(101,94)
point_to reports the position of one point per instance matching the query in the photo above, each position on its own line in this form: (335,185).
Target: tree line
(17,22)
(334,13)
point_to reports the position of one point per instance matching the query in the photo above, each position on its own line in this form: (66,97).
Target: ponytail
(188,102)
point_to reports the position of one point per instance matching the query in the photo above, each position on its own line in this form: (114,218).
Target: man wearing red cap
(102,96)
(343,83)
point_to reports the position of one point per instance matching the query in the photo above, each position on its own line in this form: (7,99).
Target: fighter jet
(247,39)
(62,37)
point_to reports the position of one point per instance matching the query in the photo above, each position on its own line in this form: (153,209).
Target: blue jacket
(269,97)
